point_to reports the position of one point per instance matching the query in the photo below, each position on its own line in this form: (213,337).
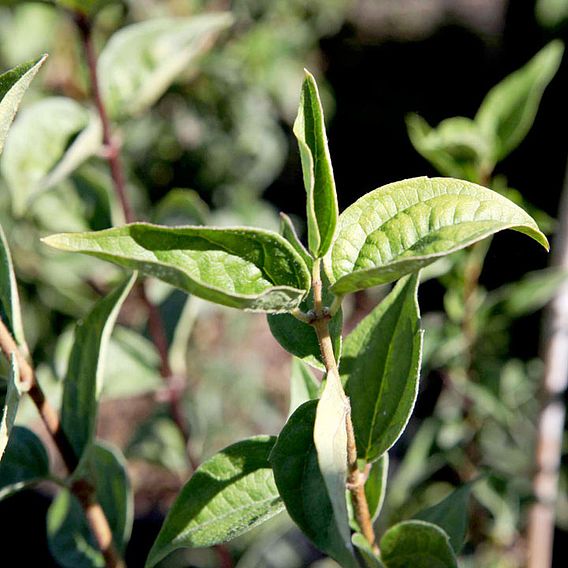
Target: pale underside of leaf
(403,226)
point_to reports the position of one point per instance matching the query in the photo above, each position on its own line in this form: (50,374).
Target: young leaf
(69,537)
(321,204)
(288,231)
(48,141)
(417,543)
(370,559)
(451,515)
(382,364)
(142,60)
(300,484)
(405,225)
(83,382)
(229,494)
(509,109)
(9,299)
(244,268)
(25,462)
(10,404)
(13,84)
(303,385)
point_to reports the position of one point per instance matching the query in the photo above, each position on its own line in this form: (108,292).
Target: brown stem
(84,492)
(356,478)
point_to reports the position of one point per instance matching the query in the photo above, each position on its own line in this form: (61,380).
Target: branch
(84,492)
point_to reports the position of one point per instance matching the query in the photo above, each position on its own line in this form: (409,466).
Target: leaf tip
(57,241)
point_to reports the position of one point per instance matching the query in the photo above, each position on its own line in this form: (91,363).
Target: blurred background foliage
(217,148)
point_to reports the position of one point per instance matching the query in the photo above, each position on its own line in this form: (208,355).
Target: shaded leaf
(83,381)
(25,462)
(301,485)
(418,544)
(48,141)
(13,84)
(10,404)
(303,385)
(376,485)
(288,231)
(239,267)
(321,203)
(405,225)
(69,537)
(370,559)
(509,109)
(229,494)
(142,60)
(451,515)
(381,363)
(181,207)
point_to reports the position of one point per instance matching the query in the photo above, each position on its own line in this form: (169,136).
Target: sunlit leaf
(303,385)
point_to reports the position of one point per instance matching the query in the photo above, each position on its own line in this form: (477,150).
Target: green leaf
(69,537)
(321,204)
(159,441)
(243,268)
(509,109)
(303,385)
(300,339)
(10,404)
(451,515)
(142,60)
(405,225)
(456,147)
(9,300)
(366,552)
(181,207)
(376,485)
(300,484)
(551,13)
(13,84)
(417,544)
(83,382)
(87,7)
(50,139)
(25,462)
(381,362)
(229,494)
(288,231)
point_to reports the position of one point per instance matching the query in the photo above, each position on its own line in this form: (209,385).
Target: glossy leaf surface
(239,267)
(405,225)
(382,365)
(229,494)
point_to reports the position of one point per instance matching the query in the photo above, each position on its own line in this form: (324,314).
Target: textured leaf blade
(13,84)
(406,225)
(451,515)
(509,109)
(9,299)
(229,494)
(25,462)
(83,381)
(321,205)
(381,363)
(417,543)
(238,267)
(10,405)
(142,60)
(69,537)
(300,484)
(48,141)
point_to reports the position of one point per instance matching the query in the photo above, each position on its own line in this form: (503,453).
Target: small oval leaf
(229,494)
(382,365)
(406,225)
(244,268)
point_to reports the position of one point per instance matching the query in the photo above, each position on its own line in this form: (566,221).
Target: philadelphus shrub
(327,467)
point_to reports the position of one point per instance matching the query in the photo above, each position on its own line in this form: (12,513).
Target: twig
(84,492)
(540,532)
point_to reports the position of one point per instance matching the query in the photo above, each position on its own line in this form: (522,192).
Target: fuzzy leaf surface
(83,381)
(321,204)
(509,109)
(13,85)
(381,363)
(238,267)
(229,494)
(142,60)
(403,226)
(301,485)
